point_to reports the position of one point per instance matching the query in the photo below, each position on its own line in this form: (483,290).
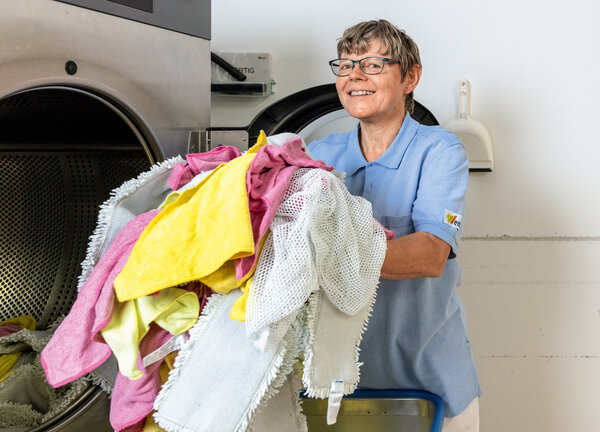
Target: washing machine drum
(61,153)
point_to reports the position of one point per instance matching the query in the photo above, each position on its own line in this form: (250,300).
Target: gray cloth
(26,398)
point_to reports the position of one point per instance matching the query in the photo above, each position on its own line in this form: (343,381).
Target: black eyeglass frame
(385,60)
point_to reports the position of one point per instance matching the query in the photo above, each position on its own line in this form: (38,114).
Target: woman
(415,178)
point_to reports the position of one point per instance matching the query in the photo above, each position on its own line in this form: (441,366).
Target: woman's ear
(411,79)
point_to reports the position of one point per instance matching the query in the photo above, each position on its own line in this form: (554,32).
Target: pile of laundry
(223,285)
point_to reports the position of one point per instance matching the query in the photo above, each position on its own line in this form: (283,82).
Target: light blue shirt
(417,336)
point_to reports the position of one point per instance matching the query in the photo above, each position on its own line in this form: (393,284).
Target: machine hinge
(201,141)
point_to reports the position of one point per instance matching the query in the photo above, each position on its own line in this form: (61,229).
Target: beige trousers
(466,421)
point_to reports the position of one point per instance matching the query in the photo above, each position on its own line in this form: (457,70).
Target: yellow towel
(238,310)
(151,425)
(262,140)
(206,226)
(174,309)
(7,361)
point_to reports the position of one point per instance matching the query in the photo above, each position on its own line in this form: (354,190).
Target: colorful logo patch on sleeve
(452,219)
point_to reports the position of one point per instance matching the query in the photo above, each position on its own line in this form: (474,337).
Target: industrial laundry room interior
(531,283)
(529,252)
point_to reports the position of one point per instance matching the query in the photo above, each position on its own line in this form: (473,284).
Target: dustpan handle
(464,93)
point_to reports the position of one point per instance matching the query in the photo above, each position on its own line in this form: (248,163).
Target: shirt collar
(392,157)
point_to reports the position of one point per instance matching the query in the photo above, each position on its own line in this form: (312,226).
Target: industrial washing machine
(92,93)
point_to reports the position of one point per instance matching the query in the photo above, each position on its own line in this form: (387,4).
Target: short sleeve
(440,203)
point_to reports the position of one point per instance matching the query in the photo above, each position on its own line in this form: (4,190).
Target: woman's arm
(420,254)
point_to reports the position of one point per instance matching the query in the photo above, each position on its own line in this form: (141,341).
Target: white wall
(531,242)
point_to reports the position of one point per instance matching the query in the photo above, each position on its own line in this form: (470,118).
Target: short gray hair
(395,43)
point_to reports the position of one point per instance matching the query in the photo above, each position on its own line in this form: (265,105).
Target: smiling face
(376,99)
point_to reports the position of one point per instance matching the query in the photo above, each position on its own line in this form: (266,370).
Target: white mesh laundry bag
(321,237)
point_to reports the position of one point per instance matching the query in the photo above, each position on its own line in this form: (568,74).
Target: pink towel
(200,162)
(77,347)
(267,180)
(6,329)
(389,234)
(132,401)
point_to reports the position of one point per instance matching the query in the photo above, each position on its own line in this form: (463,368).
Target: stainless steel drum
(55,172)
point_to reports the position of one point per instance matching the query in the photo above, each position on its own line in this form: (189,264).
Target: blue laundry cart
(378,411)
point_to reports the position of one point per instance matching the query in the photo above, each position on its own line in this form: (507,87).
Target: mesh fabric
(321,237)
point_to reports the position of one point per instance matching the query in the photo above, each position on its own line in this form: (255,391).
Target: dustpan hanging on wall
(472,133)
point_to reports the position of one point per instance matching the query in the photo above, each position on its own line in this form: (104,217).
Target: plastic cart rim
(438,418)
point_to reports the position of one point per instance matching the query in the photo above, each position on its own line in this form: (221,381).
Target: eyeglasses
(369,65)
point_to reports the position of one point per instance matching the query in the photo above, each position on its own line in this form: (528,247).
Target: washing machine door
(314,112)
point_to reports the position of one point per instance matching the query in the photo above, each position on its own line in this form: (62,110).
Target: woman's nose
(356,72)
